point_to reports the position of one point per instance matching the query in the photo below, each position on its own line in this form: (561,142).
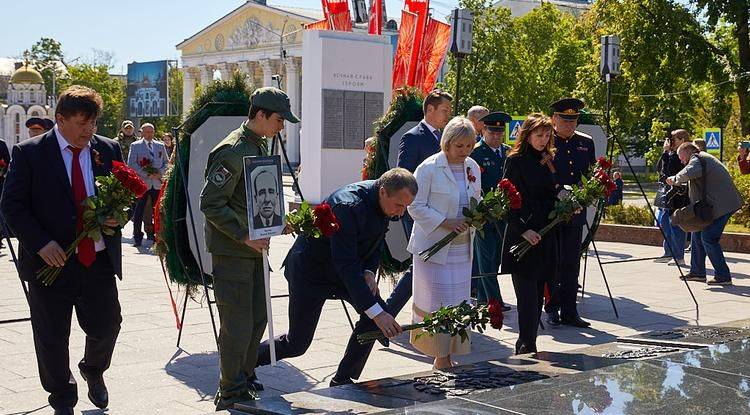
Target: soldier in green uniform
(490,154)
(237,261)
(126,137)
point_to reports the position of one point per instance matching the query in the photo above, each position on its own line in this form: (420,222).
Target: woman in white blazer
(447,182)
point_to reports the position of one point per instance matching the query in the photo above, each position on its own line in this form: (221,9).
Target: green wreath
(405,107)
(220,98)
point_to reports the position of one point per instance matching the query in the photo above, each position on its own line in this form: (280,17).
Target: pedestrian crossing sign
(511,130)
(713,141)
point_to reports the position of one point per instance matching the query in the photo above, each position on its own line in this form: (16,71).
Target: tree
(519,65)
(737,61)
(45,55)
(111,89)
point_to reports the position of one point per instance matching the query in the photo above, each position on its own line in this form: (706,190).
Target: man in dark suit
(49,176)
(416,145)
(266,196)
(343,266)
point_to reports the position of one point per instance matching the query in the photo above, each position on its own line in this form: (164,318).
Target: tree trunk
(743,81)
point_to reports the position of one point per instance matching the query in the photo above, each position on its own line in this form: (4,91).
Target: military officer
(574,157)
(237,261)
(490,154)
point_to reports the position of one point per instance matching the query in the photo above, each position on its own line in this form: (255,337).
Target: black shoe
(223,405)
(254,384)
(576,321)
(137,243)
(339,382)
(98,394)
(716,281)
(64,411)
(523,348)
(553,319)
(693,277)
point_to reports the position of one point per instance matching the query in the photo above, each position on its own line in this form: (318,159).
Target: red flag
(420,8)
(401,59)
(319,25)
(375,26)
(431,56)
(341,21)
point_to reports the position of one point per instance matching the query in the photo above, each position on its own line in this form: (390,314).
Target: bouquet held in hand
(577,197)
(451,320)
(314,222)
(147,166)
(114,196)
(494,206)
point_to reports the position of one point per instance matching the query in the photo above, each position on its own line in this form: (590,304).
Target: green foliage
(302,221)
(742,181)
(659,130)
(628,215)
(519,65)
(220,98)
(111,89)
(45,54)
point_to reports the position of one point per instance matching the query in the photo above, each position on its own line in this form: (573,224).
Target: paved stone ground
(149,375)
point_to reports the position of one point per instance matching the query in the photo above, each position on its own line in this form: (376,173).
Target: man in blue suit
(49,177)
(152,151)
(343,265)
(416,145)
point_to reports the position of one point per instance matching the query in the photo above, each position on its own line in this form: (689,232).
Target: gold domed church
(26,98)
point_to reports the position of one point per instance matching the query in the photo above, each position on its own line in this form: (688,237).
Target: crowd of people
(443,163)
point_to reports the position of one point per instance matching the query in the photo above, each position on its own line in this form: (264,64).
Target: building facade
(26,98)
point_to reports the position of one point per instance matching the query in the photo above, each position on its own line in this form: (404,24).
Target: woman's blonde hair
(531,123)
(459,128)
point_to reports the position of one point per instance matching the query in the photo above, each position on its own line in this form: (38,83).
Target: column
(207,75)
(265,64)
(292,78)
(246,68)
(223,68)
(188,90)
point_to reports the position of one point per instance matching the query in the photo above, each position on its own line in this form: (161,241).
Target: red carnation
(129,178)
(496,313)
(505,184)
(144,162)
(469,175)
(325,219)
(604,163)
(482,170)
(515,200)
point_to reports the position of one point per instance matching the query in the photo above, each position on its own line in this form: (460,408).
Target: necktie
(150,150)
(497,151)
(438,134)
(86,252)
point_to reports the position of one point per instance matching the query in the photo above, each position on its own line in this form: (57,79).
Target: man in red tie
(49,176)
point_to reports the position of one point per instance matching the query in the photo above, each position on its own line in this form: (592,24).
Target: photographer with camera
(669,198)
(743,159)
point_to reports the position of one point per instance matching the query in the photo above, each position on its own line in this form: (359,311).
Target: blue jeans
(674,236)
(706,243)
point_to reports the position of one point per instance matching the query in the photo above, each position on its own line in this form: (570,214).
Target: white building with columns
(27,98)
(255,39)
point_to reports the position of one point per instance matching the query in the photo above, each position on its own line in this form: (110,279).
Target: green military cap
(568,108)
(495,121)
(273,99)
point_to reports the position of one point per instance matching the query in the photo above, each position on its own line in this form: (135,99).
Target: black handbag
(697,215)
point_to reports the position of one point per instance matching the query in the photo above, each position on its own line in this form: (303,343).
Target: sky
(132,30)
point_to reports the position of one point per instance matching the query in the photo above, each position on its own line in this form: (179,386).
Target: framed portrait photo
(264,190)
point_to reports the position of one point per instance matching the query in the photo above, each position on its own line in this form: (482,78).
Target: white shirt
(84,159)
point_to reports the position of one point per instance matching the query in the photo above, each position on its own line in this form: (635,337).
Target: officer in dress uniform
(490,154)
(237,261)
(574,157)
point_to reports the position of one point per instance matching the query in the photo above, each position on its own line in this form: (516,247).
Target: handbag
(697,215)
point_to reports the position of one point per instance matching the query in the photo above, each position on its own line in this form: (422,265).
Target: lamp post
(462,28)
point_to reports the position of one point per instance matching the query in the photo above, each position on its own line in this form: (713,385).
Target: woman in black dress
(529,167)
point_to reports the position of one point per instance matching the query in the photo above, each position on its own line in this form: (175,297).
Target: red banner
(319,25)
(375,26)
(431,56)
(341,21)
(402,58)
(420,8)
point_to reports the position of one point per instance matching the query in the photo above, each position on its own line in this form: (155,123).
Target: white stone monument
(346,85)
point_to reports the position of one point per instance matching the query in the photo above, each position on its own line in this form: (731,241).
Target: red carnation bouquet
(493,206)
(578,197)
(452,320)
(114,196)
(317,222)
(3,168)
(147,166)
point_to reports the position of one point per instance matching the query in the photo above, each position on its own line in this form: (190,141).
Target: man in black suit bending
(49,176)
